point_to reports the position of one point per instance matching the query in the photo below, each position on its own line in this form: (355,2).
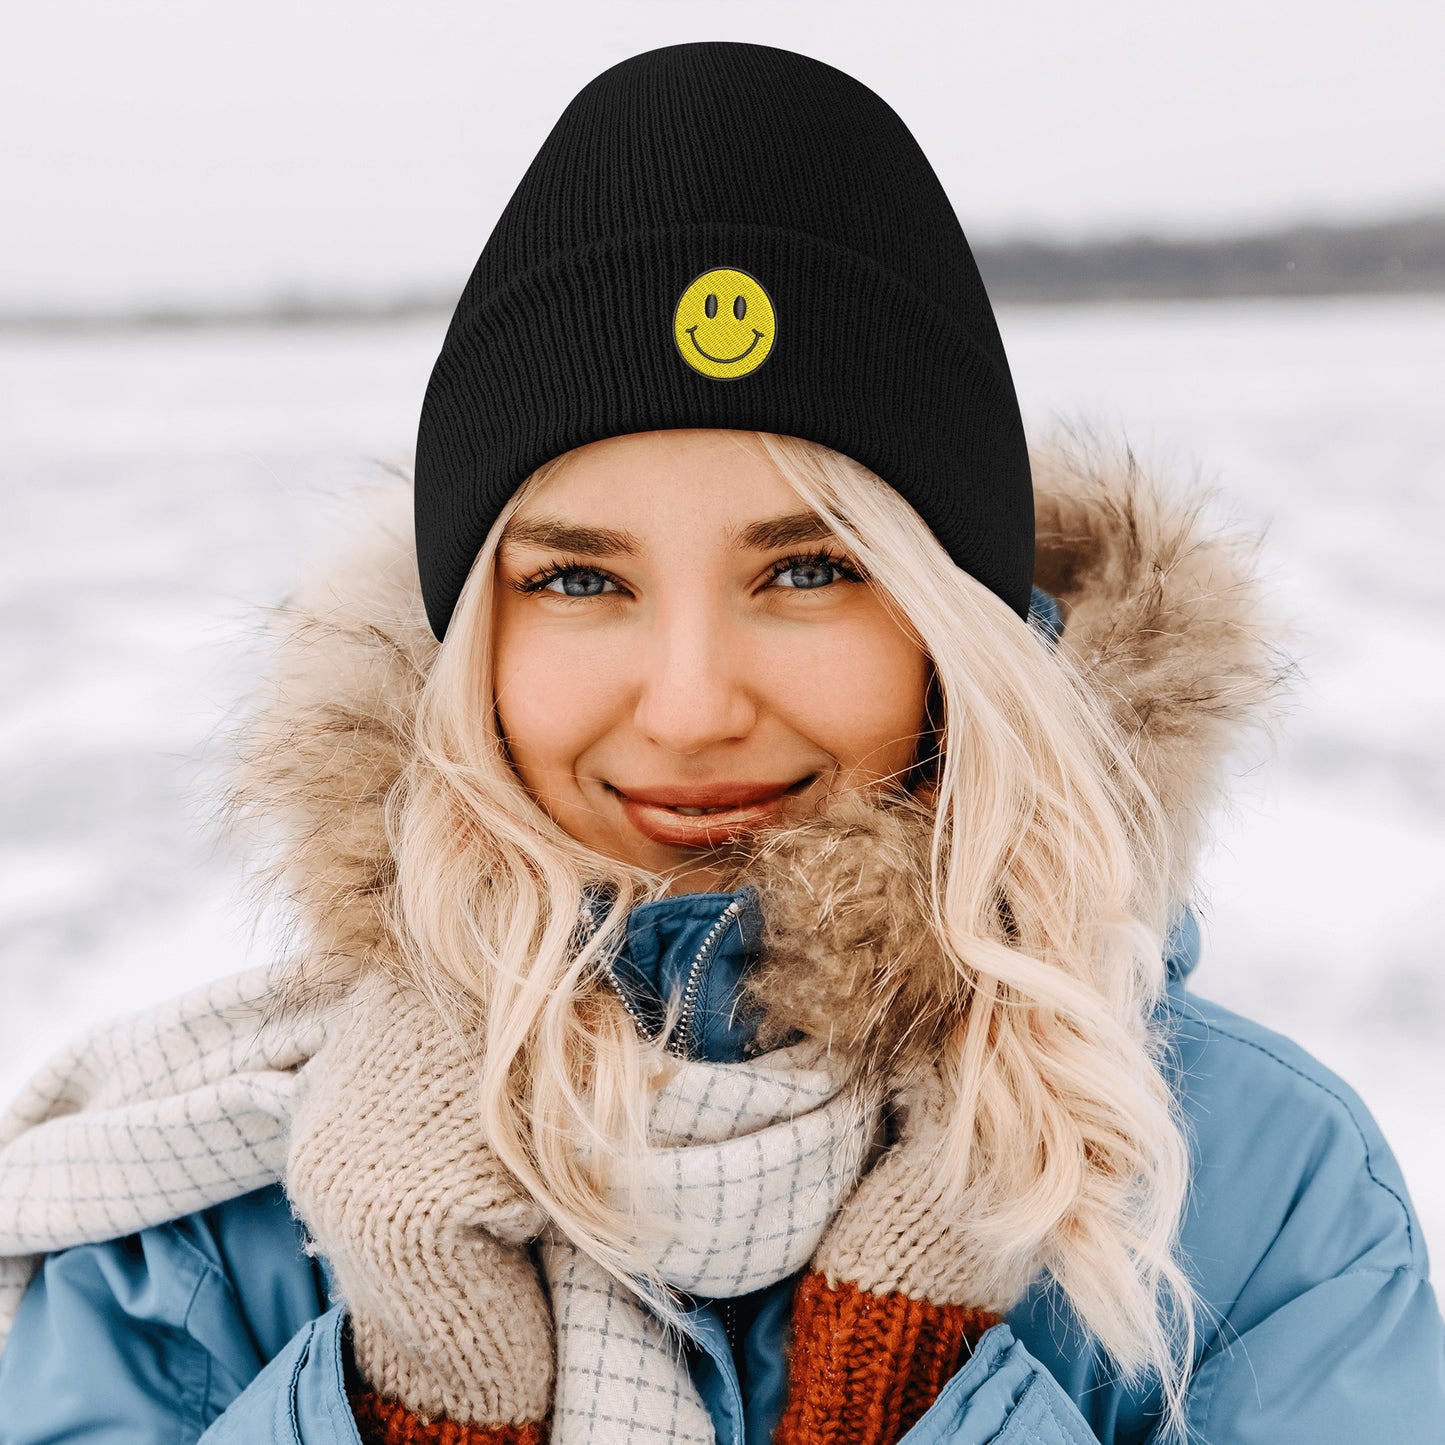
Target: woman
(741,833)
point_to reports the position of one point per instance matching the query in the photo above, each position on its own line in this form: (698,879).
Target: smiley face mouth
(724,360)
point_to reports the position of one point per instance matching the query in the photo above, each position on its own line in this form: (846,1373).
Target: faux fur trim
(844,957)
(1163,611)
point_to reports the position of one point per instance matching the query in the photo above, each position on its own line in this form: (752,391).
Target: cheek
(551,697)
(861,696)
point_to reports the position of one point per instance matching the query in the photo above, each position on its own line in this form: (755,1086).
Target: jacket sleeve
(1002,1396)
(1318,1323)
(214,1327)
(300,1396)
(1356,1359)
(1321,1324)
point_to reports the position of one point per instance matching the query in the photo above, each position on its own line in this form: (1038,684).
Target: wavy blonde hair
(1050,897)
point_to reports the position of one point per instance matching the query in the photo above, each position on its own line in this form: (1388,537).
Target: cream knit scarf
(185,1106)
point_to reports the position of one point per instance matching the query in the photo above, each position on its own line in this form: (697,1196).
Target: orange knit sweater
(863,1369)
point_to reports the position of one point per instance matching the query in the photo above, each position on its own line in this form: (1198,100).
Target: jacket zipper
(728,1309)
(692,990)
(643,1027)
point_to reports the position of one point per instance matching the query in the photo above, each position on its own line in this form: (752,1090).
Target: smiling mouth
(702,822)
(724,360)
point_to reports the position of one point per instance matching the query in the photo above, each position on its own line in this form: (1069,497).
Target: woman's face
(683,651)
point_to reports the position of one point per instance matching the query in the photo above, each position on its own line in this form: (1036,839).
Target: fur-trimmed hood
(1161,609)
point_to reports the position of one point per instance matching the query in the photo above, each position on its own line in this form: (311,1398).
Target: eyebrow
(789,531)
(555,534)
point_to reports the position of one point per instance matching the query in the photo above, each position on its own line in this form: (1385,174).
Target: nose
(692,688)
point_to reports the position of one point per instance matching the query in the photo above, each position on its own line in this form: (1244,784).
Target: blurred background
(233,238)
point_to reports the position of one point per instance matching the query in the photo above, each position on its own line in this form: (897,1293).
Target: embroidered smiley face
(724,324)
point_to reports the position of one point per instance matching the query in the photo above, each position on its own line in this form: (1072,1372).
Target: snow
(160,486)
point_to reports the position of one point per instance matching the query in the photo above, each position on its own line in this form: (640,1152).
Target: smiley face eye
(710,306)
(740,308)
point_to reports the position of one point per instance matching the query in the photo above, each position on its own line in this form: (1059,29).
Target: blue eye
(811,574)
(568,581)
(578,582)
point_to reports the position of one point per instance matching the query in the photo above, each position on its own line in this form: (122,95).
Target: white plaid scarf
(751,1162)
(187,1105)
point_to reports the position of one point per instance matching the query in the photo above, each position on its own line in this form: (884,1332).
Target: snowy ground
(158,487)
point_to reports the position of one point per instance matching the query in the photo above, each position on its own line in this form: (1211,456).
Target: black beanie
(728,235)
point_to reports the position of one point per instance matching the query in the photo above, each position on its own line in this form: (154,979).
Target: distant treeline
(1387,257)
(1305,260)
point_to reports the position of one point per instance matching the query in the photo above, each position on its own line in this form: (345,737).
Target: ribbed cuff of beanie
(389,1422)
(866,1367)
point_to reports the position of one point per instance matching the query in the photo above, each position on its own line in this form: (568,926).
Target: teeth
(702,812)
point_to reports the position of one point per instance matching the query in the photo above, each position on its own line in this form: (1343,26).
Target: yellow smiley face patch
(724,324)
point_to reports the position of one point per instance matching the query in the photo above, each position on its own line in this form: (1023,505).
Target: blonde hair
(1051,877)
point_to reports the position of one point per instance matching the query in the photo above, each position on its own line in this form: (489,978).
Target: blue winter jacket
(1319,1323)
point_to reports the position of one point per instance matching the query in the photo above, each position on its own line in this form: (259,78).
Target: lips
(727,809)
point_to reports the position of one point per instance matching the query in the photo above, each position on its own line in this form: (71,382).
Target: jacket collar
(699,948)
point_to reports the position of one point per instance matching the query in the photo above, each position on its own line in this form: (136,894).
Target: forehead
(653,480)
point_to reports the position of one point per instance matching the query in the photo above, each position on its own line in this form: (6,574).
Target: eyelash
(538,580)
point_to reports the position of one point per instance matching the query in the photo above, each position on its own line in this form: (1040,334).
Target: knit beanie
(721,234)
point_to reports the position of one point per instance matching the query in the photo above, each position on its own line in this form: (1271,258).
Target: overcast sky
(176,152)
